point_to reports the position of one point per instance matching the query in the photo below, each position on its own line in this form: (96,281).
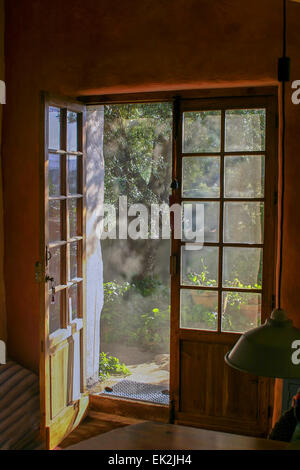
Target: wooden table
(157,436)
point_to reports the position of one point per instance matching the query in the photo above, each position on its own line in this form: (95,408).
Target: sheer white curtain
(2,293)
(94,264)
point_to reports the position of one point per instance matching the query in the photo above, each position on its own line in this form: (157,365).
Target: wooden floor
(94,424)
(106,414)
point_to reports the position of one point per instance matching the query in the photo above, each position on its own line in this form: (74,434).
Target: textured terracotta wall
(96,46)
(2,293)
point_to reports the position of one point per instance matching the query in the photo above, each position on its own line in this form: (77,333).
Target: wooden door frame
(270,236)
(110,404)
(74,413)
(122,405)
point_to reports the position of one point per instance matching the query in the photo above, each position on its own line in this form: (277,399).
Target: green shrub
(134,317)
(138,314)
(114,290)
(146,286)
(111,365)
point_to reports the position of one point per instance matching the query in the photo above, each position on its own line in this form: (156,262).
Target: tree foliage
(137,151)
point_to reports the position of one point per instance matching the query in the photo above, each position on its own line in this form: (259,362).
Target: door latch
(175,184)
(48,256)
(52,282)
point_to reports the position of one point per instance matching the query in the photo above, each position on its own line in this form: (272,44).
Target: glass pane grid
(200,177)
(74,164)
(74,259)
(199,267)
(55,221)
(74,217)
(65,209)
(55,316)
(72,131)
(74,301)
(245,129)
(55,125)
(199,309)
(241,202)
(202,131)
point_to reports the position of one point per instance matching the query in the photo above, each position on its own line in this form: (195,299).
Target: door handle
(52,281)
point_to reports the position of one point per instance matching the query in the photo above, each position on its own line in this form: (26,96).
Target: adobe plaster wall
(98,46)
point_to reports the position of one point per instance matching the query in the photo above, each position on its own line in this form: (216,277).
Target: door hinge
(175,184)
(173,265)
(38,272)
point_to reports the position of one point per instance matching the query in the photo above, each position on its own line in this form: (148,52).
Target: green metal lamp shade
(267,350)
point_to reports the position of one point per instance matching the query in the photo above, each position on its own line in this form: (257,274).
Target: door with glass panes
(225,163)
(63,324)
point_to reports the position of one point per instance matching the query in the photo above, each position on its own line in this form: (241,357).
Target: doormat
(139,391)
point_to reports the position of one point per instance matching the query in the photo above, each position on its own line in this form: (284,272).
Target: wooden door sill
(136,410)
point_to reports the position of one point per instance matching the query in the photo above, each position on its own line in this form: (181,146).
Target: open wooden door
(62,370)
(225,161)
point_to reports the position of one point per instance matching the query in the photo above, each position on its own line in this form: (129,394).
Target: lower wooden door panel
(215,396)
(65,422)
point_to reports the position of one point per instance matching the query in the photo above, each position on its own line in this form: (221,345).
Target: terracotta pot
(249,311)
(205,298)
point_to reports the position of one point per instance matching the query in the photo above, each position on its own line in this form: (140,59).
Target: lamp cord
(282,154)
